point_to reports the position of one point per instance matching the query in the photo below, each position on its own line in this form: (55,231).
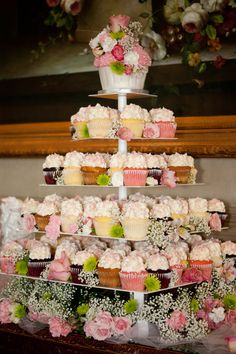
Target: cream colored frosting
(133,111)
(135,210)
(216,205)
(53,161)
(135,160)
(156,262)
(155,161)
(29,206)
(107,208)
(80,257)
(132,264)
(200,252)
(39,251)
(117,160)
(98,112)
(138,197)
(197,205)
(162,115)
(46,208)
(54,198)
(110,259)
(73,159)
(71,207)
(11,248)
(81,115)
(228,248)
(160,211)
(90,206)
(180,160)
(69,247)
(94,160)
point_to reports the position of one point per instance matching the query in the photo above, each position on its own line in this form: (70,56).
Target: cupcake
(218,206)
(109,267)
(165,120)
(133,273)
(228,249)
(43,213)
(39,257)
(72,174)
(77,262)
(79,122)
(134,117)
(215,252)
(177,258)
(10,253)
(135,170)
(93,165)
(179,209)
(158,265)
(135,220)
(181,164)
(52,168)
(70,248)
(155,164)
(198,207)
(29,206)
(71,213)
(106,215)
(200,258)
(99,121)
(116,163)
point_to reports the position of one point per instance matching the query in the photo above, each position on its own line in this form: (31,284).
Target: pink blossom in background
(118,52)
(73,228)
(59,327)
(29,223)
(192,275)
(59,269)
(53,3)
(210,303)
(118,22)
(128,70)
(105,318)
(168,179)
(215,222)
(144,58)
(99,331)
(121,324)
(53,227)
(72,7)
(151,131)
(106,60)
(125,134)
(5,311)
(177,320)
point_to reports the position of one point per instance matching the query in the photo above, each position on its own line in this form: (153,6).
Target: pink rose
(230,316)
(215,222)
(53,3)
(98,331)
(210,304)
(144,58)
(177,320)
(29,223)
(59,327)
(53,227)
(38,317)
(5,311)
(118,22)
(59,269)
(104,60)
(168,179)
(125,134)
(229,271)
(72,7)
(104,317)
(128,69)
(118,52)
(151,131)
(192,275)
(121,324)
(89,328)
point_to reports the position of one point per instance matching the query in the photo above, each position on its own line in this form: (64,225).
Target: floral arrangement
(190,26)
(117,46)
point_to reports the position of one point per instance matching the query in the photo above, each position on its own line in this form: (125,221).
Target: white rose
(212,5)
(108,44)
(194,18)
(217,315)
(131,58)
(173,10)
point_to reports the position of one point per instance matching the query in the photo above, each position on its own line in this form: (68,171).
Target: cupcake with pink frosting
(165,120)
(52,168)
(79,123)
(109,267)
(135,220)
(133,273)
(158,265)
(134,117)
(106,216)
(135,169)
(72,168)
(93,165)
(99,121)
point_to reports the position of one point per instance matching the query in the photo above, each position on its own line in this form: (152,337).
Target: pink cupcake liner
(135,177)
(8,265)
(35,268)
(167,129)
(133,281)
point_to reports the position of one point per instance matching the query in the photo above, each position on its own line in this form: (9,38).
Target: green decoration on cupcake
(117,67)
(131,306)
(117,35)
(90,264)
(22,267)
(152,283)
(117,231)
(82,309)
(103,180)
(84,132)
(194,305)
(229,302)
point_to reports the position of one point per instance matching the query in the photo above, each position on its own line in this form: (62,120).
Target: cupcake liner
(99,128)
(133,281)
(72,175)
(110,80)
(182,173)
(109,277)
(205,267)
(135,177)
(135,229)
(155,173)
(167,129)
(35,268)
(103,225)
(41,221)
(136,126)
(75,271)
(90,174)
(67,221)
(80,127)
(52,174)
(7,264)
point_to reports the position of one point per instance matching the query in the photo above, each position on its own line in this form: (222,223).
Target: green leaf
(217,19)
(117,35)
(202,68)
(211,31)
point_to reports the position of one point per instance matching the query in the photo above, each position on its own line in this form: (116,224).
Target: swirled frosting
(29,206)
(81,115)
(135,160)
(107,208)
(135,210)
(80,257)
(160,211)
(155,161)
(180,160)
(73,159)
(39,250)
(132,264)
(197,205)
(69,247)
(117,160)
(228,248)
(94,160)
(162,115)
(200,252)
(110,259)
(98,112)
(71,207)
(47,208)
(156,262)
(133,111)
(216,205)
(53,161)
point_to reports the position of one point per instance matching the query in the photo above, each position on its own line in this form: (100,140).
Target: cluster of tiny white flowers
(200,225)
(89,278)
(161,233)
(97,304)
(115,127)
(18,290)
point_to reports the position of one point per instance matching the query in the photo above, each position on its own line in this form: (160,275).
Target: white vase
(112,81)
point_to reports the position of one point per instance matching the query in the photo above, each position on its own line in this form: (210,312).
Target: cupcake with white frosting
(134,117)
(198,207)
(217,206)
(155,164)
(165,120)
(77,262)
(135,220)
(135,169)
(93,165)
(182,165)
(72,174)
(10,253)
(106,216)
(109,267)
(39,257)
(99,121)
(79,122)
(133,273)
(52,168)
(43,213)
(71,214)
(158,265)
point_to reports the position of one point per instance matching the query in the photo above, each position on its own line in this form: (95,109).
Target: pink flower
(177,320)
(144,58)
(72,7)
(29,223)
(121,324)
(230,316)
(125,134)
(59,269)
(118,52)
(151,131)
(104,317)
(89,328)
(98,331)
(210,303)
(128,70)
(53,227)
(192,275)
(59,327)
(5,311)
(53,3)
(38,317)
(215,222)
(229,271)
(104,60)
(73,228)
(118,22)
(168,179)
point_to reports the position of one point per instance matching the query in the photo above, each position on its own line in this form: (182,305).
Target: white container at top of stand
(110,80)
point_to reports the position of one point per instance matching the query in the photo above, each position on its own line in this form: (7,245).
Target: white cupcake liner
(110,80)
